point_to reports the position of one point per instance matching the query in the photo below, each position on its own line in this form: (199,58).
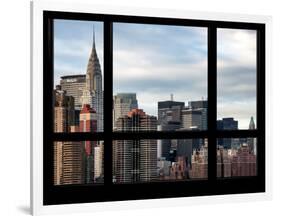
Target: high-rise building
(169,119)
(185,147)
(135,160)
(74,85)
(63,111)
(93,92)
(68,156)
(202,106)
(99,158)
(88,123)
(227,124)
(191,119)
(169,111)
(252,125)
(123,103)
(164,145)
(68,163)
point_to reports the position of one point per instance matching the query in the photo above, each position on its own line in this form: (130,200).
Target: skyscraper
(202,106)
(227,124)
(93,93)
(74,85)
(123,103)
(88,123)
(68,156)
(169,119)
(135,160)
(169,111)
(191,119)
(252,125)
(98,157)
(63,111)
(68,163)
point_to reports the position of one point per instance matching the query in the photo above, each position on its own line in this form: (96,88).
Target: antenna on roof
(94,36)
(172,97)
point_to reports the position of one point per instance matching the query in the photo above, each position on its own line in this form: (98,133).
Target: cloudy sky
(237,75)
(156,61)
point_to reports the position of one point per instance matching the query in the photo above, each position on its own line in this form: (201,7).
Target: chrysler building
(93,93)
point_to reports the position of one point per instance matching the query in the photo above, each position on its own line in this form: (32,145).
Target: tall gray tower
(252,125)
(93,93)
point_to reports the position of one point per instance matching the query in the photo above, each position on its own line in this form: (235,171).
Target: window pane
(236,79)
(236,157)
(159,73)
(78,162)
(78,75)
(159,160)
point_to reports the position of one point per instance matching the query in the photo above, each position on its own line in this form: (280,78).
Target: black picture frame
(70,194)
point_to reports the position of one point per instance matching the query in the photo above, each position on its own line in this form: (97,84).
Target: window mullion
(108,95)
(212,101)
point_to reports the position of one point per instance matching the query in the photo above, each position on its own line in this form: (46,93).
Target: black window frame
(68,194)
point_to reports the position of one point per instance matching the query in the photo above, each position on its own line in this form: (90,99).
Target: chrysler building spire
(93,75)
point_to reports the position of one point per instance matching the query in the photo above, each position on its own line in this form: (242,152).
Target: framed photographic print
(141,105)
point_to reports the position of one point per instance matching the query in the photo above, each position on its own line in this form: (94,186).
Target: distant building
(202,106)
(123,103)
(63,111)
(191,119)
(68,163)
(174,116)
(135,160)
(199,163)
(169,119)
(224,158)
(236,162)
(163,168)
(169,111)
(227,124)
(88,123)
(74,85)
(68,156)
(179,169)
(99,158)
(244,162)
(165,144)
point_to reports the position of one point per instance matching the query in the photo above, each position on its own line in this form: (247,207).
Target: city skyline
(142,79)
(155,61)
(73,41)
